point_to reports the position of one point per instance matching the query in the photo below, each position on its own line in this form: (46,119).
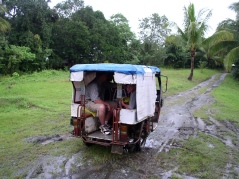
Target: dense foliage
(34,37)
(235,70)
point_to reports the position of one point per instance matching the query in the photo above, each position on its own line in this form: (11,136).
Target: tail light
(123,133)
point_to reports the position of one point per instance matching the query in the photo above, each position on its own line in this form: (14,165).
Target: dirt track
(176,123)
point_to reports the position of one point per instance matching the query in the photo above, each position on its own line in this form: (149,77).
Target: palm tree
(217,45)
(194,30)
(4,25)
(230,46)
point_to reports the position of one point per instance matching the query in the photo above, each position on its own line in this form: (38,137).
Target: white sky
(134,10)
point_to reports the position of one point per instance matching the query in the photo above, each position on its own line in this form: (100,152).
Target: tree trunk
(192,64)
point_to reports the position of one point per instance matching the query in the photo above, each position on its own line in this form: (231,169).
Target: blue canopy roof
(111,67)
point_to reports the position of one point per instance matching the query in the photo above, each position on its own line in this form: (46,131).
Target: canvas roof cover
(111,67)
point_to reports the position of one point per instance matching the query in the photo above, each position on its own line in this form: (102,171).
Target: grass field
(177,79)
(227,100)
(31,105)
(39,105)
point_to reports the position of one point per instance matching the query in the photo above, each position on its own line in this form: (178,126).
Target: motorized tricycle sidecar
(130,127)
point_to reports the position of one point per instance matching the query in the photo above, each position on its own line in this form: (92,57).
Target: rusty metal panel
(117,149)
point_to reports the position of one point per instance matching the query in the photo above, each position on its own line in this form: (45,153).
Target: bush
(15,75)
(235,70)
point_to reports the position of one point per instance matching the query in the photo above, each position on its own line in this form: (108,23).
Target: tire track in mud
(177,120)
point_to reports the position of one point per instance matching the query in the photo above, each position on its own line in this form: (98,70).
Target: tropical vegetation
(231,46)
(194,30)
(35,37)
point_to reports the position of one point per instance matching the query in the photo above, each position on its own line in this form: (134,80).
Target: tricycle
(129,128)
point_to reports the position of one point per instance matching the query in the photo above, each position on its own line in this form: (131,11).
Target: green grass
(31,105)
(226,103)
(202,157)
(227,100)
(178,82)
(202,113)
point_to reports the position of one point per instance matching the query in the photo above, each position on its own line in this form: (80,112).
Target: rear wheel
(140,144)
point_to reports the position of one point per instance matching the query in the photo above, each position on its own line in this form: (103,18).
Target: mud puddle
(176,123)
(44,140)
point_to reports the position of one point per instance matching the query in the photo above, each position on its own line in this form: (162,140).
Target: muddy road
(177,122)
